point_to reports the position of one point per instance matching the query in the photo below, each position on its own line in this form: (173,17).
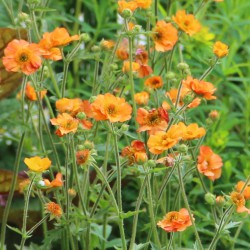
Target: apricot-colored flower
(37,164)
(126,66)
(70,106)
(220,49)
(122,5)
(49,51)
(165,37)
(209,163)
(161,141)
(187,22)
(246,191)
(142,98)
(175,221)
(239,200)
(23,185)
(202,88)
(57,182)
(220,199)
(154,82)
(172,95)
(66,124)
(82,156)
(21,56)
(31,93)
(192,131)
(152,120)
(112,108)
(53,209)
(60,37)
(142,58)
(107,44)
(136,153)
(144,4)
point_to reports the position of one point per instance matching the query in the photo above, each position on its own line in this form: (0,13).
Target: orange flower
(60,37)
(109,107)
(246,191)
(172,96)
(142,58)
(152,120)
(144,4)
(220,49)
(209,163)
(154,82)
(53,209)
(136,153)
(21,56)
(37,164)
(122,5)
(70,106)
(239,200)
(82,156)
(49,51)
(31,93)
(57,182)
(175,221)
(66,124)
(107,44)
(165,37)
(187,22)
(142,98)
(161,141)
(126,66)
(202,88)
(191,132)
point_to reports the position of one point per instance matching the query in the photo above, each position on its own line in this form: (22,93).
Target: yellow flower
(37,164)
(220,49)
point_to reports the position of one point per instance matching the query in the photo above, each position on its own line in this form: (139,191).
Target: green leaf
(130,213)
(15,230)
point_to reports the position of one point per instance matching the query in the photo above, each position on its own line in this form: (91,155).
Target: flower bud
(127,13)
(151,163)
(214,115)
(210,198)
(34,1)
(89,145)
(137,28)
(81,116)
(170,75)
(113,66)
(168,19)
(46,73)
(95,48)
(220,200)
(182,66)
(85,37)
(124,128)
(72,192)
(92,99)
(182,148)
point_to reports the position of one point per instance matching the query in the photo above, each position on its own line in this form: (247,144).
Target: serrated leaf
(15,229)
(140,246)
(231,225)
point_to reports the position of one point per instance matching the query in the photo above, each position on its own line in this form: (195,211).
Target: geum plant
(135,126)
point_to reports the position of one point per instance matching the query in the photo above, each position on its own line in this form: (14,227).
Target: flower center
(23,57)
(111,109)
(153,119)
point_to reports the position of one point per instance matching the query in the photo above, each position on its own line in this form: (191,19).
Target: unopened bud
(182,148)
(92,99)
(88,145)
(124,128)
(170,75)
(151,163)
(210,198)
(85,37)
(72,192)
(127,13)
(113,66)
(182,66)
(95,48)
(81,116)
(168,19)
(137,28)
(214,115)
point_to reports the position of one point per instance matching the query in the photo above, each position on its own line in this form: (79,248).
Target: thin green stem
(65,77)
(187,206)
(137,208)
(25,213)
(209,70)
